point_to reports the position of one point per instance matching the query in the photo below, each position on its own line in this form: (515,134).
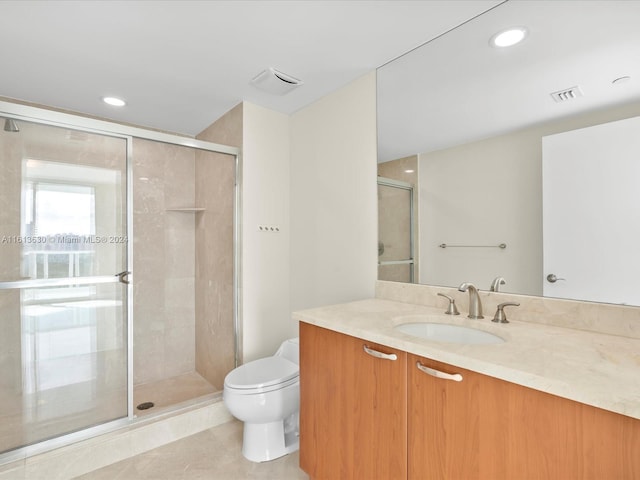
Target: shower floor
(170,391)
(31,418)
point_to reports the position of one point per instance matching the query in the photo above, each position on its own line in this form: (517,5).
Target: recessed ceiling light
(114,101)
(508,38)
(409,170)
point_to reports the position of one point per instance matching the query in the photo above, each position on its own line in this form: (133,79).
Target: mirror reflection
(516,162)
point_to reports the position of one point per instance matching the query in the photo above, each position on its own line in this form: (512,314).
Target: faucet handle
(495,285)
(500,316)
(452,309)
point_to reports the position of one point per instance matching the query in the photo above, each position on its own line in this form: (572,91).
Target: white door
(591,213)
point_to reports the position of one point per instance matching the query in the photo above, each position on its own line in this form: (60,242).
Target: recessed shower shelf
(186,209)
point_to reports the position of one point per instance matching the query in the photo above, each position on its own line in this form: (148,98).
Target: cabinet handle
(456,377)
(375,353)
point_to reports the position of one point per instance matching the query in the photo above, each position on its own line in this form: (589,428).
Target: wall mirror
(519,163)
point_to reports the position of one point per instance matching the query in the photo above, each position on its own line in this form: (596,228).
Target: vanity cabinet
(353,407)
(363,417)
(485,428)
(482,427)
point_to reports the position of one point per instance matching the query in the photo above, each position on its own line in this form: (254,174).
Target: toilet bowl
(265,395)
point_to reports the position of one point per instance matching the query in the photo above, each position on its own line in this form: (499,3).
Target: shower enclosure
(396,258)
(118,264)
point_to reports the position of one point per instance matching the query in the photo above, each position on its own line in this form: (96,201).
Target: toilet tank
(290,349)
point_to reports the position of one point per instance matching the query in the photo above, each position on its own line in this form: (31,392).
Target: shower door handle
(123,277)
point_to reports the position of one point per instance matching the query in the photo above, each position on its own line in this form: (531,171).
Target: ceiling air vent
(275,82)
(567,94)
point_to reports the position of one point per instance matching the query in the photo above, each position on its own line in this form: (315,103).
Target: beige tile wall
(184,261)
(163,261)
(596,317)
(215,345)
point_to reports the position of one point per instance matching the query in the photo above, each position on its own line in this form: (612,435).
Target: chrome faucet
(495,285)
(500,316)
(452,309)
(475,306)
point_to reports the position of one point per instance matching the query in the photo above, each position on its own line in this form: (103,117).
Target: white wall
(312,175)
(333,197)
(265,255)
(489,192)
(485,193)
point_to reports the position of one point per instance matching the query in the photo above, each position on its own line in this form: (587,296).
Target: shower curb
(146,434)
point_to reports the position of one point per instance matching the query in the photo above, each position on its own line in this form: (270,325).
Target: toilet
(265,395)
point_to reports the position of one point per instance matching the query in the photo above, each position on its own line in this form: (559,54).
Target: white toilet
(265,395)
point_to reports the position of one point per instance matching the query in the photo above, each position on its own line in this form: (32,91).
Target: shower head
(10,125)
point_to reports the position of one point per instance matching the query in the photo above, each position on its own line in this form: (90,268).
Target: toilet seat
(262,375)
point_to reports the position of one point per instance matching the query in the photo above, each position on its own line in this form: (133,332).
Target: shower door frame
(411,261)
(54,118)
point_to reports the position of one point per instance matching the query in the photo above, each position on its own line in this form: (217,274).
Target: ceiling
(458,89)
(180,65)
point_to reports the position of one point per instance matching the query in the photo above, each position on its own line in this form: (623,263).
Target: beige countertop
(593,368)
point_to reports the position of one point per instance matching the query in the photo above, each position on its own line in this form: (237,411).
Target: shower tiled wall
(163,261)
(215,342)
(183,260)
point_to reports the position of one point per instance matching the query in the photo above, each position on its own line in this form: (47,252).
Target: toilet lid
(262,373)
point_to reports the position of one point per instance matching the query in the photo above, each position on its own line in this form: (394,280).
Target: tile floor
(213,455)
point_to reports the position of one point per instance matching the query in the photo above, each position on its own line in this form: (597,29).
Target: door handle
(123,277)
(552,278)
(377,354)
(456,377)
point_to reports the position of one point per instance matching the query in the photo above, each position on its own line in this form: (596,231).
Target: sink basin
(444,332)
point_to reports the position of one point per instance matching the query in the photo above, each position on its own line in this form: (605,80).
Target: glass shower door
(395,231)
(63,306)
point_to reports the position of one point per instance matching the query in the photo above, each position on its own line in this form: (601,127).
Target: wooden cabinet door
(443,430)
(353,410)
(486,428)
